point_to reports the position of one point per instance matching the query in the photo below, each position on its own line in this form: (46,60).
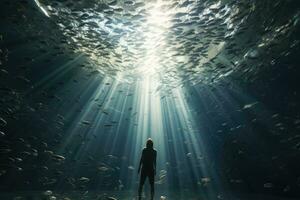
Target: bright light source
(157,25)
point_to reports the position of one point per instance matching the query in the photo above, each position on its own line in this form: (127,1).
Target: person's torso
(148,158)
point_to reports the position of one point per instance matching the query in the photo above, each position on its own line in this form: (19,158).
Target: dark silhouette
(148,164)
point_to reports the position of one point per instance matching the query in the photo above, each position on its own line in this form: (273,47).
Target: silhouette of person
(148,165)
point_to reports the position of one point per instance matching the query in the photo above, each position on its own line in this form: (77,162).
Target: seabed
(126,195)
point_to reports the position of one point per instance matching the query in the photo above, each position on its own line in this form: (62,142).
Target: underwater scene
(149,99)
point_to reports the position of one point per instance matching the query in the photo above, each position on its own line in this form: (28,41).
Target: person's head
(149,143)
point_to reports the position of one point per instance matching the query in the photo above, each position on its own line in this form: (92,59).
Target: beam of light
(193,147)
(142,110)
(146,122)
(56,75)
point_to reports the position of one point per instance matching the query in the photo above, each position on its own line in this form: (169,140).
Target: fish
(76,75)
(2,122)
(83,179)
(250,105)
(85,122)
(58,157)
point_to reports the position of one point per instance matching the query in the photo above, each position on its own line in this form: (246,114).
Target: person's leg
(151,181)
(142,181)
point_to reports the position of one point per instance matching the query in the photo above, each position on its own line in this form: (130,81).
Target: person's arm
(140,162)
(154,163)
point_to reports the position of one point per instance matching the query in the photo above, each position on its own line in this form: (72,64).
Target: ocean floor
(113,195)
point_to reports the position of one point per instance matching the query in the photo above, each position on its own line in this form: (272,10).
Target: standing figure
(148,166)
